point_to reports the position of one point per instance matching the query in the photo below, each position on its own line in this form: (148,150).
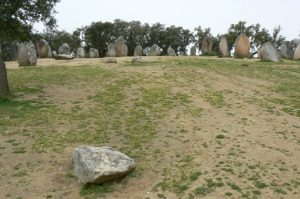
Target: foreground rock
(63,57)
(111,50)
(42,48)
(193,51)
(154,50)
(94,53)
(171,52)
(297,53)
(64,49)
(111,61)
(207,44)
(98,165)
(286,50)
(223,47)
(242,46)
(121,47)
(268,52)
(80,53)
(27,54)
(138,51)
(49,52)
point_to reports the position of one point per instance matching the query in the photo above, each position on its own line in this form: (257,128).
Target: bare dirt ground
(216,138)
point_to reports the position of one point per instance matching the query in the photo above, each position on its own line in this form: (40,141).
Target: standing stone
(14,50)
(242,46)
(297,53)
(269,52)
(27,54)
(49,52)
(121,47)
(154,50)
(111,50)
(286,50)
(171,51)
(223,47)
(42,48)
(98,165)
(94,53)
(80,53)
(64,49)
(193,51)
(138,51)
(207,45)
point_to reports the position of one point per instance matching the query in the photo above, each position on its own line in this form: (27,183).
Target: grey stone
(297,53)
(137,59)
(98,165)
(269,52)
(223,47)
(121,47)
(14,50)
(111,61)
(27,54)
(286,50)
(193,51)
(80,53)
(171,52)
(207,45)
(63,57)
(111,50)
(49,52)
(54,53)
(94,53)
(42,48)
(154,50)
(64,49)
(138,51)
(242,46)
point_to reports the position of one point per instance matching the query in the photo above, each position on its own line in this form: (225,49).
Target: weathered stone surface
(14,50)
(121,47)
(80,53)
(27,54)
(63,57)
(137,59)
(286,50)
(49,52)
(297,53)
(269,52)
(193,51)
(295,42)
(138,51)
(154,50)
(42,48)
(94,53)
(98,165)
(111,61)
(171,51)
(111,50)
(64,49)
(207,45)
(242,46)
(223,47)
(54,53)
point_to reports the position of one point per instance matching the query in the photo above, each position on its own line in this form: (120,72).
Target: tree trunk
(3,78)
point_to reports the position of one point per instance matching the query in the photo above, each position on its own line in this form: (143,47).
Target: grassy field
(197,127)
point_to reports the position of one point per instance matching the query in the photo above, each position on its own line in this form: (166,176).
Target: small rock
(100,164)
(63,57)
(111,61)
(137,59)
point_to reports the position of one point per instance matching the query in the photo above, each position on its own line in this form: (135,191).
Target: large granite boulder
(63,57)
(42,48)
(193,51)
(242,46)
(269,52)
(121,47)
(207,45)
(93,53)
(80,53)
(138,51)
(223,47)
(64,49)
(297,53)
(27,54)
(98,165)
(154,50)
(111,50)
(14,50)
(171,51)
(286,50)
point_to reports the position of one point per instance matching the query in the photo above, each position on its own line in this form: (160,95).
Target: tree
(200,34)
(18,17)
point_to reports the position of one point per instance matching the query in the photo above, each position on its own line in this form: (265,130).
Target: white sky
(217,14)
